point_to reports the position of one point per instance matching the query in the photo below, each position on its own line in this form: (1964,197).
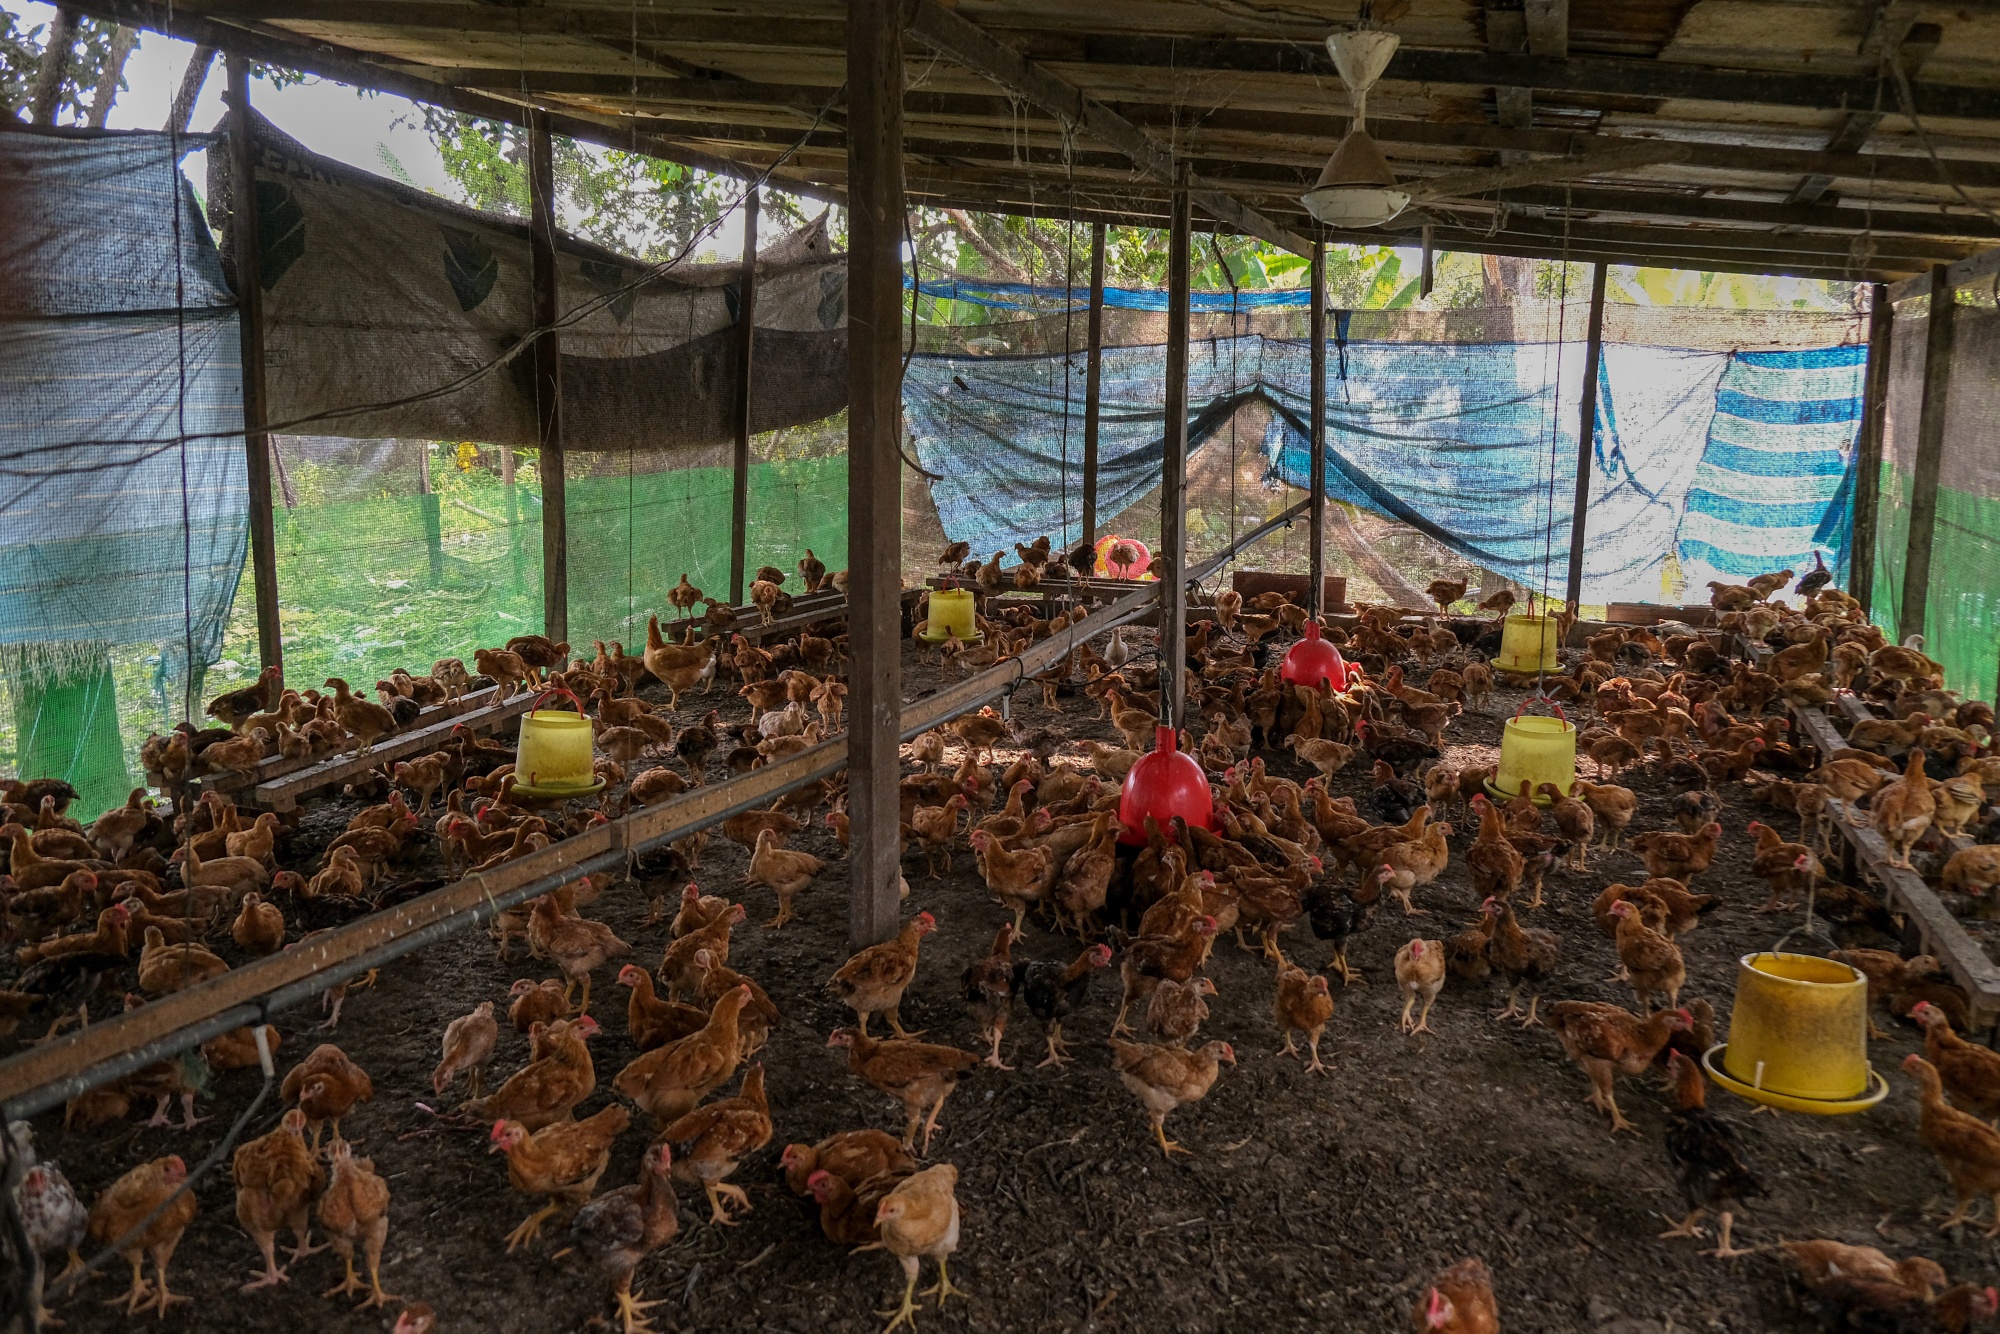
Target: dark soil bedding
(1310,1201)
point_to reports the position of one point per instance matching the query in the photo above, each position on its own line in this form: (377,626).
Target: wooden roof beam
(1897,35)
(965,43)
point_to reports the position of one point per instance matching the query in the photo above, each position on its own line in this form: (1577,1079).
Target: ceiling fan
(1356,188)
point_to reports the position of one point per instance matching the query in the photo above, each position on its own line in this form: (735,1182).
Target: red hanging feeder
(1163,784)
(1313,660)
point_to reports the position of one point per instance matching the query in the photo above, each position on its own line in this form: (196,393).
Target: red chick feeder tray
(1163,784)
(1313,660)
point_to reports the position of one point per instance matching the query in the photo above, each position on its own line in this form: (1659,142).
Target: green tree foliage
(21,48)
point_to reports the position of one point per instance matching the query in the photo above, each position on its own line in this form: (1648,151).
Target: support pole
(1173,467)
(1930,454)
(1316,470)
(746,339)
(1868,450)
(433,517)
(874,423)
(547,366)
(1586,433)
(1093,382)
(250,330)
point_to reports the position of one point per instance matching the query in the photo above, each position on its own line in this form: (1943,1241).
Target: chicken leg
(907,1312)
(140,1291)
(1723,1250)
(944,1287)
(994,1035)
(267,1242)
(1687,1227)
(161,1254)
(629,1308)
(1348,975)
(1315,1066)
(1167,1147)
(1058,1052)
(719,1215)
(530,1227)
(930,1123)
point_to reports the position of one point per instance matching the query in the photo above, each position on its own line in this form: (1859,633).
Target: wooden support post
(1173,466)
(1586,432)
(250,330)
(1868,450)
(433,518)
(874,502)
(746,339)
(1093,383)
(1316,468)
(547,366)
(1930,454)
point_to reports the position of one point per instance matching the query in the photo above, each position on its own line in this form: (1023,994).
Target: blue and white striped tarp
(1775,482)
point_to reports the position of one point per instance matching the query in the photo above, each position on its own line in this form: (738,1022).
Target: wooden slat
(1593,349)
(1931,420)
(282,793)
(1173,470)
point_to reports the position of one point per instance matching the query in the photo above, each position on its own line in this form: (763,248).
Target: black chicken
(1393,799)
(990,991)
(1693,811)
(1053,991)
(1082,559)
(1703,1149)
(1401,749)
(695,744)
(1335,916)
(1816,578)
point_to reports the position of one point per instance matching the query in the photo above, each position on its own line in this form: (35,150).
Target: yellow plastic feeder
(1535,750)
(554,758)
(951,617)
(1528,645)
(1798,1037)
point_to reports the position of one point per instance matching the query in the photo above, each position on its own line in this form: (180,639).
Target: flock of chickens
(1285,858)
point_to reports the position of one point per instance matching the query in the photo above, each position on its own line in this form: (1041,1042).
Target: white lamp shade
(1355,205)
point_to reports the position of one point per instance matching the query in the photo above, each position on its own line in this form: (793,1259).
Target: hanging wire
(1069,353)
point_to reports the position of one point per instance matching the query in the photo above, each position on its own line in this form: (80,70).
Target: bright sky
(329,118)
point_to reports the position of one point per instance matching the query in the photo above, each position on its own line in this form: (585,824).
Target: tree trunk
(122,42)
(47,99)
(189,93)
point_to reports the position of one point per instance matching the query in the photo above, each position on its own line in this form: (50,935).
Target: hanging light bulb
(1356,187)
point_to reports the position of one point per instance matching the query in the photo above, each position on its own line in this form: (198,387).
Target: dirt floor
(1310,1201)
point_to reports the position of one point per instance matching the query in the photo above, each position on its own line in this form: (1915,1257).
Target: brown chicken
(1790,869)
(1304,1004)
(1525,956)
(559,1075)
(1611,807)
(277,1178)
(653,1022)
(621,1227)
(1164,1078)
(1492,863)
(671,1081)
(165,968)
(126,1203)
(1019,878)
(1459,1301)
(711,1139)
(1575,821)
(366,721)
(1901,811)
(1606,1040)
(1969,1071)
(851,1155)
(1420,976)
(1653,963)
(326,1085)
(468,1045)
(560,1162)
(873,980)
(1178,1009)
(578,945)
(355,1208)
(754,1021)
(534,1003)
(677,971)
(919,1075)
(847,1209)
(1677,856)
(1967,1148)
(935,828)
(259,927)
(785,871)
(1821,1260)
(919,1218)
(1150,960)
(989,993)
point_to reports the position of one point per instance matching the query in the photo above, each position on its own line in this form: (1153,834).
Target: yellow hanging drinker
(1535,750)
(555,757)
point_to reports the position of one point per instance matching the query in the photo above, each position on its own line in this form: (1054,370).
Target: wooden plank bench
(283,792)
(1938,933)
